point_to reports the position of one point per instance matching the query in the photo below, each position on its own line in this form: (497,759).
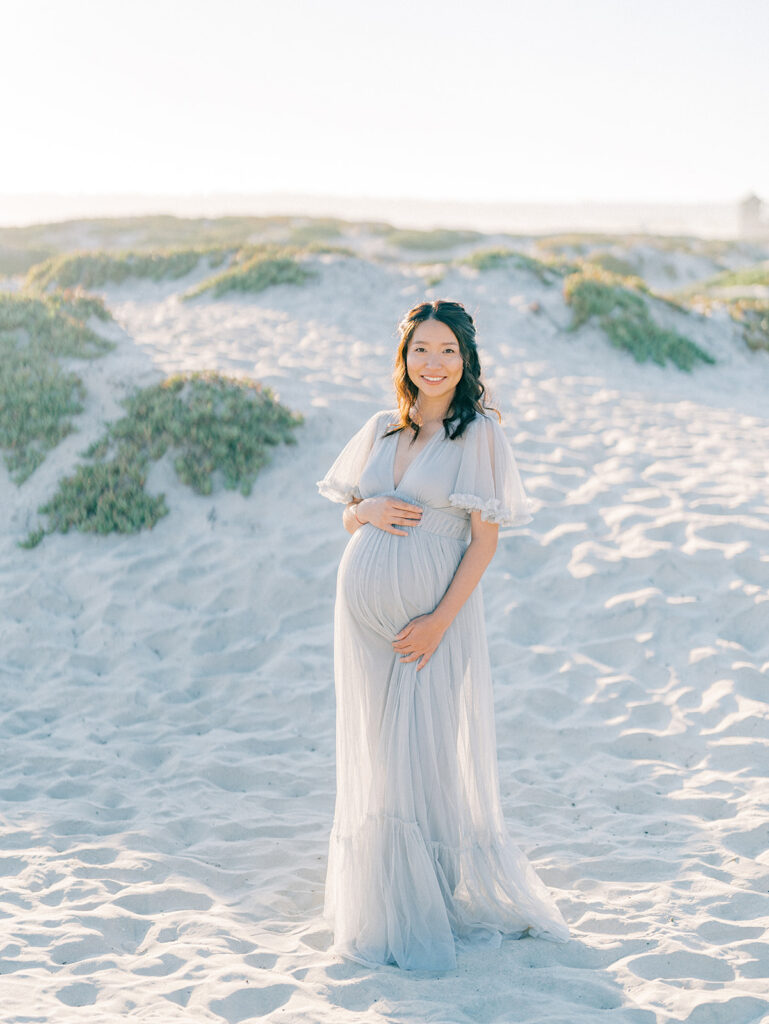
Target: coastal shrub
(493,259)
(580,242)
(209,421)
(577,240)
(156,231)
(614,264)
(37,396)
(18,260)
(753,317)
(621,309)
(55,324)
(435,239)
(315,247)
(255,268)
(321,229)
(98,268)
(758,274)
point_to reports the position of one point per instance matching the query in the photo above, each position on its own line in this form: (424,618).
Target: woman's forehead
(433,331)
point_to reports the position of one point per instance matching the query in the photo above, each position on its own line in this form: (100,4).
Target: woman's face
(433,352)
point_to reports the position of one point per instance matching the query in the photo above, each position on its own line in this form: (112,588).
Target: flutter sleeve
(341,481)
(488,477)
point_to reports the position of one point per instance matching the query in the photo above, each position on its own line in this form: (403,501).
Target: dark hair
(469,392)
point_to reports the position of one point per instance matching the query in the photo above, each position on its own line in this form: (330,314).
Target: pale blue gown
(420,862)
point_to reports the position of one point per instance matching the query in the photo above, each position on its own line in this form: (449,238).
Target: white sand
(167,706)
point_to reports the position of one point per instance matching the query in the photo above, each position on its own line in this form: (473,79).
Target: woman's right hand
(386,513)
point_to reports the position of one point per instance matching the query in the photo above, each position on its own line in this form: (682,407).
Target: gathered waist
(447,524)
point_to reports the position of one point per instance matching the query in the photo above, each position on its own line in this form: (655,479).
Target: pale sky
(504,100)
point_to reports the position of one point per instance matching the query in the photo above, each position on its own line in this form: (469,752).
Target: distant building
(753,225)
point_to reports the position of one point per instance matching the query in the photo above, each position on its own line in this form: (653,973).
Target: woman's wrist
(442,617)
(355,511)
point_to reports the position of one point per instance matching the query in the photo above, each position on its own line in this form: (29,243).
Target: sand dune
(167,707)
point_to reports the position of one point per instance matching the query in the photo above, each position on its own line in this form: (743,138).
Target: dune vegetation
(581,242)
(621,308)
(249,268)
(758,274)
(547,271)
(255,268)
(753,317)
(618,301)
(743,293)
(37,396)
(156,231)
(98,268)
(212,423)
(614,264)
(435,239)
(23,247)
(319,229)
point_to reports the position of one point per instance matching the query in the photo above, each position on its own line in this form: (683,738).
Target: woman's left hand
(419,639)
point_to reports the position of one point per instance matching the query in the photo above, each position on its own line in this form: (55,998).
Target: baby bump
(387,579)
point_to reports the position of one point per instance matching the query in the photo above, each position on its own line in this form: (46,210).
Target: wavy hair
(469,392)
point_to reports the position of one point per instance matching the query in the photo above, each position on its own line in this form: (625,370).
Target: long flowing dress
(420,862)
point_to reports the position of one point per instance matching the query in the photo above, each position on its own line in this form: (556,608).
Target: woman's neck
(433,412)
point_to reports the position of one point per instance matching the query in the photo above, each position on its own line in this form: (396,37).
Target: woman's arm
(476,558)
(420,637)
(349,519)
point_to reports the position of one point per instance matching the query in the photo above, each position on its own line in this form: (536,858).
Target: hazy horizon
(715,220)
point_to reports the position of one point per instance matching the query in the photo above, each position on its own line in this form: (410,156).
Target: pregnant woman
(420,862)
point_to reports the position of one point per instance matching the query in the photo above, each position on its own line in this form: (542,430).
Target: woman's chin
(433,391)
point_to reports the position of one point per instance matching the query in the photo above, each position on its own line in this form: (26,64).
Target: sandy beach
(167,701)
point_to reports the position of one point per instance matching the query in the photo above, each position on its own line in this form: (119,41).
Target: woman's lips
(436,381)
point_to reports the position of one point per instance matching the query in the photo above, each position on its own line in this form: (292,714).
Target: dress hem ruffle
(464,914)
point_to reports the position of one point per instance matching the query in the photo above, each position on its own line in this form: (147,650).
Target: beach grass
(23,247)
(98,268)
(757,274)
(37,396)
(320,229)
(753,317)
(212,423)
(255,268)
(155,231)
(620,305)
(17,259)
(430,240)
(496,258)
(614,264)
(249,268)
(581,242)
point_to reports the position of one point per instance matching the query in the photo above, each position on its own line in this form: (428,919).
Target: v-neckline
(416,458)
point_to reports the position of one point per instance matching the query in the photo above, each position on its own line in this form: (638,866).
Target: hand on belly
(419,639)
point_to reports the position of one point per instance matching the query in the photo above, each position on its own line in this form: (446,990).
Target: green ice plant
(255,268)
(433,240)
(210,422)
(494,259)
(620,307)
(37,396)
(94,269)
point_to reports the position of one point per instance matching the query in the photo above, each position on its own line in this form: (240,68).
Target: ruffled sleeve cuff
(334,490)
(487,478)
(492,509)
